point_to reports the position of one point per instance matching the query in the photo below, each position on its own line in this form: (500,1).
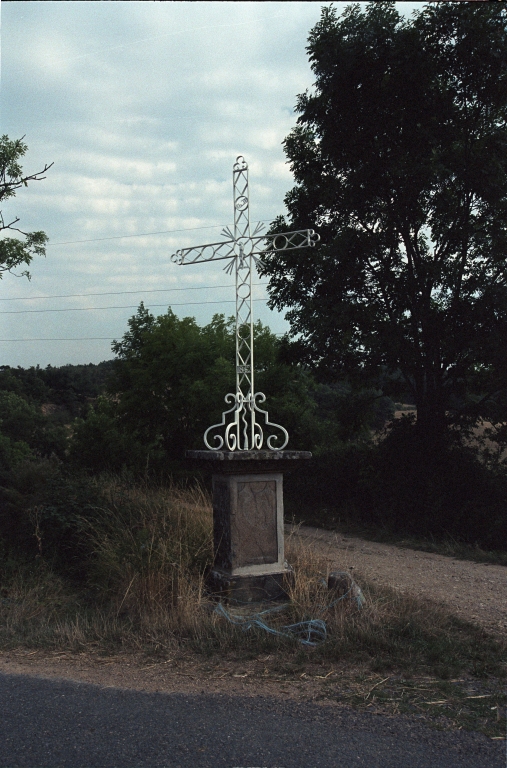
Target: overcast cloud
(143,108)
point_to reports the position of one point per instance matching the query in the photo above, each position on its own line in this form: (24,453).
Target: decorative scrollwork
(240,164)
(244,433)
(301,238)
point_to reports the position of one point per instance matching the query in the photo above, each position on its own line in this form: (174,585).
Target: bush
(41,513)
(12,452)
(99,444)
(406,486)
(439,490)
(22,422)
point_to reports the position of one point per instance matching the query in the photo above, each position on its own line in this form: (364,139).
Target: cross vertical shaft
(244,313)
(242,251)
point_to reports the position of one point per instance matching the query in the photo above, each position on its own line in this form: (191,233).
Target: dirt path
(473,591)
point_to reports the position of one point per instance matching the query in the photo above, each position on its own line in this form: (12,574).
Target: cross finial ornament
(242,250)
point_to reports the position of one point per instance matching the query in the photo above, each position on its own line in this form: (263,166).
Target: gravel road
(54,723)
(476,592)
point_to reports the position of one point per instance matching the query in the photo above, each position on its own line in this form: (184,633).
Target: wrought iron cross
(242,250)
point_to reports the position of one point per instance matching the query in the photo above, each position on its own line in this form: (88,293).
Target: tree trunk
(431,425)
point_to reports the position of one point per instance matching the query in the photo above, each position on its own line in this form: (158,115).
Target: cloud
(143,107)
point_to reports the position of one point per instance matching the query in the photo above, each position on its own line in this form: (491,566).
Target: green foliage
(72,387)
(14,252)
(23,422)
(12,453)
(400,163)
(171,377)
(19,419)
(400,484)
(168,387)
(41,512)
(100,442)
(438,490)
(26,383)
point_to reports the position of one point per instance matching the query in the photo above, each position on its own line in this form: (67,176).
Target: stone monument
(249,563)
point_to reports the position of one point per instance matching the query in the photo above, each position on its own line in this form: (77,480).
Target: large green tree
(400,162)
(14,251)
(168,386)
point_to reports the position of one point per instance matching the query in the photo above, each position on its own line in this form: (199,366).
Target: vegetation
(141,411)
(13,251)
(400,164)
(38,405)
(168,385)
(137,588)
(404,298)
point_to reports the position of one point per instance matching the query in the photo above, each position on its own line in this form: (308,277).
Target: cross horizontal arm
(211,252)
(301,238)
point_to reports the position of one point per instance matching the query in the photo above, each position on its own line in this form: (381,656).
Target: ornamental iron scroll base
(245,433)
(243,250)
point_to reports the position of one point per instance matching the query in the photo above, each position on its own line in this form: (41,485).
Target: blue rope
(311,632)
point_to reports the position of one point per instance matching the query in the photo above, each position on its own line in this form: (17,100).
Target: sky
(142,107)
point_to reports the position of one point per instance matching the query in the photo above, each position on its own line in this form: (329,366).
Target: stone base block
(342,583)
(251,588)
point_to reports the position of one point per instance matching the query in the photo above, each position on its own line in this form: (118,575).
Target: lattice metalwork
(243,249)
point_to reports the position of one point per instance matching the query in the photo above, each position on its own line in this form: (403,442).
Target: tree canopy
(168,386)
(399,158)
(13,251)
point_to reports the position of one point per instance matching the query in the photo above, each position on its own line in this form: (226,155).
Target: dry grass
(145,591)
(150,548)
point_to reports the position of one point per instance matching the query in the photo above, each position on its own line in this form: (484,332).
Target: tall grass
(150,547)
(148,551)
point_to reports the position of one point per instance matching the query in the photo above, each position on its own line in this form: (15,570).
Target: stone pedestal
(249,562)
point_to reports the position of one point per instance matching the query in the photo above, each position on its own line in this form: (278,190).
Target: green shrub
(100,444)
(41,513)
(404,485)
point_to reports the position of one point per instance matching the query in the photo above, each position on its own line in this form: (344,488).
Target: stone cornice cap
(248,455)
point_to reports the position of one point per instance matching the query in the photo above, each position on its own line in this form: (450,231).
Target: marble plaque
(254,525)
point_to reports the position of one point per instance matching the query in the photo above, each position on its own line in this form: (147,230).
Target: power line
(86,338)
(120,293)
(143,234)
(126,306)
(147,234)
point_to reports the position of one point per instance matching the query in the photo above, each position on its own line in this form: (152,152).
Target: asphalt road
(62,724)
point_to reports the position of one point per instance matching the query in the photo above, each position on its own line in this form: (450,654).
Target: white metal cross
(242,250)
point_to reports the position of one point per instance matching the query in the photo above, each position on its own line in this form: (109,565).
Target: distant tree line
(142,410)
(138,414)
(37,405)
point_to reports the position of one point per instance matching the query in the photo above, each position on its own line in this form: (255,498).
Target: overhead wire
(119,293)
(88,338)
(77,338)
(89,309)
(148,234)
(115,293)
(115,306)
